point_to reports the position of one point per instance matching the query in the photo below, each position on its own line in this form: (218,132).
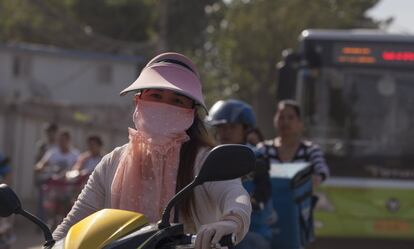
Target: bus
(356,90)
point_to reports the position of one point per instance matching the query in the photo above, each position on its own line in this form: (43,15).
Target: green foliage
(21,22)
(107,25)
(92,24)
(127,20)
(186,24)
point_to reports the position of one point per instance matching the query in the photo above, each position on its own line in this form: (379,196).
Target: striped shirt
(307,152)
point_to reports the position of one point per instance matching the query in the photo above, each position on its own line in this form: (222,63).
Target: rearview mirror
(226,162)
(9,202)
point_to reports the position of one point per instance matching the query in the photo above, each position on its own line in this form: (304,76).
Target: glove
(210,234)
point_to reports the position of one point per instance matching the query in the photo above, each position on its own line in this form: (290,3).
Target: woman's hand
(210,234)
(316,181)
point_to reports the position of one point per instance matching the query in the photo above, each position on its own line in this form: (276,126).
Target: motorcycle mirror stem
(10,204)
(223,162)
(165,220)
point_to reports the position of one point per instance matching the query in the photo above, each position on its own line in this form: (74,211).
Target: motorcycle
(116,229)
(60,194)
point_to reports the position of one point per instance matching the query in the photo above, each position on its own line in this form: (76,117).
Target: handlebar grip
(228,240)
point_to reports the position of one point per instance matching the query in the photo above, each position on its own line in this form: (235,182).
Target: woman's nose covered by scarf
(160,119)
(145,179)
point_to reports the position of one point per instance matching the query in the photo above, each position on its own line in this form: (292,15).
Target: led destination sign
(375,54)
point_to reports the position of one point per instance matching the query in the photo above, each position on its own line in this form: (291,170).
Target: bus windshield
(366,115)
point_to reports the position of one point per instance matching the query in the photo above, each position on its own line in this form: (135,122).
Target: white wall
(67,79)
(4,71)
(76,80)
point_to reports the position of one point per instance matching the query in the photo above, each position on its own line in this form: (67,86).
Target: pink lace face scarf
(146,177)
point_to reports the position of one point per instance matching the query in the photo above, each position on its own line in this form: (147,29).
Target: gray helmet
(231,111)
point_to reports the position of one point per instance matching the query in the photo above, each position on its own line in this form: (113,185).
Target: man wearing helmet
(232,121)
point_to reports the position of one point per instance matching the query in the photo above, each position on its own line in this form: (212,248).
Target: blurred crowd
(61,171)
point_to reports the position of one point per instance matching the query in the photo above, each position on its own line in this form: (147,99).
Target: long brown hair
(199,138)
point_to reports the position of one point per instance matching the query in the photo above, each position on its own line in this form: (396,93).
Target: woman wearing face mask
(164,153)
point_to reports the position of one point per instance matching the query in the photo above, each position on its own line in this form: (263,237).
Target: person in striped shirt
(289,145)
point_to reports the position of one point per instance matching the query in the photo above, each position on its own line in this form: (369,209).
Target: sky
(401,10)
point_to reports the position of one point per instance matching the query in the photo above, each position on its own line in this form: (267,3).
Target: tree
(247,43)
(132,26)
(101,25)
(187,24)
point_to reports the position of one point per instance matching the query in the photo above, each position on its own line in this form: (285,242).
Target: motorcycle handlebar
(189,241)
(228,240)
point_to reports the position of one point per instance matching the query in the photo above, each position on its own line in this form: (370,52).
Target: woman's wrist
(237,219)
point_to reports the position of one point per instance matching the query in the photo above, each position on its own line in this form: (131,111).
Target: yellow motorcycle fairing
(103,227)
